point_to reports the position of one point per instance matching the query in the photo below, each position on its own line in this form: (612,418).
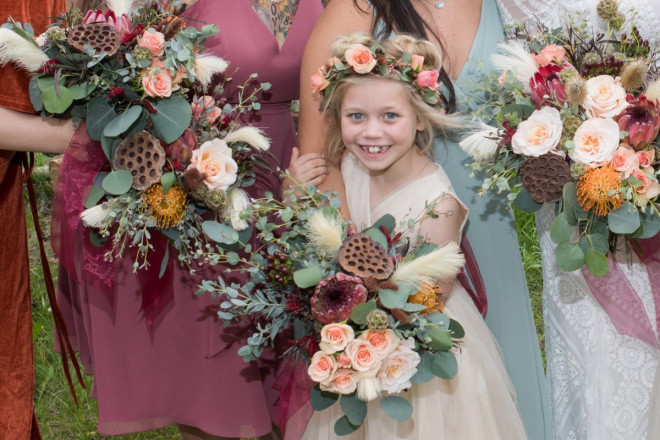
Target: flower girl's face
(378,124)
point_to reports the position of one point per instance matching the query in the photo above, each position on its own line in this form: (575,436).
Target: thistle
(576,90)
(633,75)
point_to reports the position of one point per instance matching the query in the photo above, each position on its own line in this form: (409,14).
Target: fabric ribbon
(472,281)
(293,409)
(621,302)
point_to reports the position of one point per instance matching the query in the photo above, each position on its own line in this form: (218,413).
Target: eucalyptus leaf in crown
(577,118)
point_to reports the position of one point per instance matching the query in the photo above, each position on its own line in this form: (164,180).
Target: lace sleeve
(519,11)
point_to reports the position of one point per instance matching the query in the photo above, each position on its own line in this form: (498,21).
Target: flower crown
(362,60)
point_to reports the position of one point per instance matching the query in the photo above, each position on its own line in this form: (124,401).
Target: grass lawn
(60,419)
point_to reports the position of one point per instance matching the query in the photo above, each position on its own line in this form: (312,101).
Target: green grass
(59,418)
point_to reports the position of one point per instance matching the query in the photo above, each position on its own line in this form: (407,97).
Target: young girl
(382,110)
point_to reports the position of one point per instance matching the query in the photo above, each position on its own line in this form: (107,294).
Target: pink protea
(335,297)
(121,23)
(641,120)
(180,151)
(546,85)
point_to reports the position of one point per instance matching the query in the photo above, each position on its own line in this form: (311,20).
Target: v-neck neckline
(265,28)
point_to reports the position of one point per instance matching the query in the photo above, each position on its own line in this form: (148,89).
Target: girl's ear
(420,125)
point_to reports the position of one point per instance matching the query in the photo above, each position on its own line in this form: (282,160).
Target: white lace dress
(604,385)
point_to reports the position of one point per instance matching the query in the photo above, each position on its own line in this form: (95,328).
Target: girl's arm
(340,17)
(26,132)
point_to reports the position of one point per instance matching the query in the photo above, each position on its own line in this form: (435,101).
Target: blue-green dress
(492,235)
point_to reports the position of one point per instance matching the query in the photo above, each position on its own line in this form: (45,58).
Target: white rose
(606,98)
(213,160)
(398,368)
(538,134)
(595,141)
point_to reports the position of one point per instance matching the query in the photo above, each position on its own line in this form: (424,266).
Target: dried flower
(377,320)
(633,75)
(335,297)
(576,90)
(569,127)
(215,199)
(168,208)
(607,9)
(598,190)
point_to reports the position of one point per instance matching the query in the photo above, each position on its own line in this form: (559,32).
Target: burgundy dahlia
(641,120)
(335,297)
(546,86)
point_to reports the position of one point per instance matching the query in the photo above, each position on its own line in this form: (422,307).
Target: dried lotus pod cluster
(101,37)
(143,156)
(545,176)
(361,256)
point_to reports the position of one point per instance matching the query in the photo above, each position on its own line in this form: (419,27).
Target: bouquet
(138,77)
(366,308)
(577,122)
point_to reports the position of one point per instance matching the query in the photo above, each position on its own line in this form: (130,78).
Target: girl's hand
(310,168)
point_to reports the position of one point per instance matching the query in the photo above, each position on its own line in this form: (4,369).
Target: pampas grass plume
(515,57)
(633,75)
(121,7)
(482,143)
(98,216)
(653,91)
(325,233)
(18,50)
(441,264)
(208,65)
(250,135)
(236,205)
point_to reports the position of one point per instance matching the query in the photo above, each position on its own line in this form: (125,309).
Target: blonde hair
(430,117)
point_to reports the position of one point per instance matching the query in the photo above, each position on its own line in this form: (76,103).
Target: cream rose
(595,141)
(322,367)
(398,368)
(605,98)
(153,41)
(625,160)
(363,357)
(335,337)
(360,58)
(157,82)
(650,187)
(383,341)
(538,134)
(645,158)
(213,160)
(343,382)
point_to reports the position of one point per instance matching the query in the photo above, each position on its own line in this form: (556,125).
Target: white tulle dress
(603,384)
(480,402)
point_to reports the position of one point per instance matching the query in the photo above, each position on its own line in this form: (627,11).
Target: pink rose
(360,58)
(319,82)
(343,360)
(625,160)
(650,187)
(645,158)
(539,134)
(322,367)
(398,368)
(153,41)
(343,382)
(157,81)
(180,74)
(428,79)
(204,107)
(335,337)
(213,160)
(549,54)
(383,341)
(595,141)
(417,62)
(605,98)
(363,357)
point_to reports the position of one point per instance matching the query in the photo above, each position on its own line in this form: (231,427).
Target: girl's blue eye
(390,115)
(356,116)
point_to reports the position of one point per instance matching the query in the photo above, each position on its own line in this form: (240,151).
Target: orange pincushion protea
(428,296)
(168,209)
(598,190)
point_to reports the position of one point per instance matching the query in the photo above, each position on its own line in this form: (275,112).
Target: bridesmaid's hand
(310,168)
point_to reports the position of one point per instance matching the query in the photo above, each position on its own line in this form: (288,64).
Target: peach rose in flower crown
(645,158)
(156,81)
(383,341)
(360,58)
(595,141)
(625,160)
(213,160)
(335,337)
(399,367)
(539,134)
(605,98)
(364,358)
(650,187)
(153,41)
(428,79)
(343,382)
(319,82)
(550,53)
(322,367)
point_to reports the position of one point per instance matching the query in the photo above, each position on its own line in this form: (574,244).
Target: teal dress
(492,235)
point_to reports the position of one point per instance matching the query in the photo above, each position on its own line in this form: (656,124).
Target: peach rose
(343,360)
(205,107)
(319,82)
(428,78)
(625,160)
(398,368)
(605,98)
(595,141)
(180,74)
(383,341)
(417,62)
(539,134)
(213,160)
(363,357)
(343,382)
(322,367)
(550,53)
(650,187)
(157,82)
(153,41)
(360,58)
(335,337)
(645,158)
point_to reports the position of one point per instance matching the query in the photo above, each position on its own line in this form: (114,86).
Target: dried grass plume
(325,233)
(250,135)
(441,264)
(208,65)
(18,50)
